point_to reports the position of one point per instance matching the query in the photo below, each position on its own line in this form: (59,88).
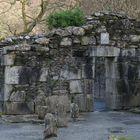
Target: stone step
(30,118)
(135,110)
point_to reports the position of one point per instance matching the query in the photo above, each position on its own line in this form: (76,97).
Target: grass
(1,113)
(119,138)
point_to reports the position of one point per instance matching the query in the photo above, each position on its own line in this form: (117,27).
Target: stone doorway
(99,88)
(105,78)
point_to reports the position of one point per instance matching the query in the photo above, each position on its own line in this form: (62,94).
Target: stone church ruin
(40,72)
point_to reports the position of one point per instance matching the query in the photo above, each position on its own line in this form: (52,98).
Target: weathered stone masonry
(39,72)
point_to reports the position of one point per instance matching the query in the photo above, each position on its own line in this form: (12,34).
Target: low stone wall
(43,71)
(38,77)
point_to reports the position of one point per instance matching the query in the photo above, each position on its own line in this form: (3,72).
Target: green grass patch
(1,113)
(112,137)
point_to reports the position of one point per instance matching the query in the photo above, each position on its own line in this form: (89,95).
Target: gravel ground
(95,126)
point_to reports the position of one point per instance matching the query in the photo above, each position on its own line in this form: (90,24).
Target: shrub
(66,18)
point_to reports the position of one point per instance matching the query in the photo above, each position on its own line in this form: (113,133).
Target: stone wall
(1,84)
(43,71)
(123,83)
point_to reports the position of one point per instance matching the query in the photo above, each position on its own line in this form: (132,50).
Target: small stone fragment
(42,41)
(42,111)
(74,111)
(135,38)
(66,42)
(76,41)
(27,37)
(88,40)
(63,32)
(61,115)
(18,96)
(50,126)
(78,31)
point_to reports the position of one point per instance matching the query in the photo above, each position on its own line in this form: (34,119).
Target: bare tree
(18,17)
(129,7)
(32,12)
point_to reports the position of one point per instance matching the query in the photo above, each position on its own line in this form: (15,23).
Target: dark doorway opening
(99,105)
(99,85)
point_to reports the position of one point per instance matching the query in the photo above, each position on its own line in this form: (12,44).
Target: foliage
(124,138)
(66,18)
(1,38)
(1,114)
(112,137)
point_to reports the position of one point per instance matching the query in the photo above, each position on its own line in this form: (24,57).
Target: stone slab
(1,95)
(76,86)
(9,59)
(111,69)
(30,118)
(114,102)
(128,52)
(111,85)
(66,42)
(20,75)
(1,106)
(80,100)
(104,39)
(76,75)
(88,40)
(138,74)
(70,75)
(104,51)
(22,47)
(85,103)
(18,108)
(53,101)
(135,38)
(90,103)
(134,102)
(18,96)
(12,74)
(43,75)
(7,91)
